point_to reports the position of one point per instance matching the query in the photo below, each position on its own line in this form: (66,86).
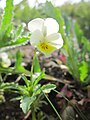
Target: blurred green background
(79,11)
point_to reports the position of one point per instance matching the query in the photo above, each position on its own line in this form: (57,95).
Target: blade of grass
(75,107)
(52,106)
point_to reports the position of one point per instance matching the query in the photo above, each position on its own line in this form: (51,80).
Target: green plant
(30,92)
(76,51)
(76,47)
(5,86)
(79,12)
(9,35)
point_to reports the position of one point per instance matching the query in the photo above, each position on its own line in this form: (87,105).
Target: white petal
(3,55)
(53,36)
(6,63)
(36,37)
(35,24)
(55,39)
(51,25)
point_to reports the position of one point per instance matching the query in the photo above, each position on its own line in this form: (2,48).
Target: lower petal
(46,48)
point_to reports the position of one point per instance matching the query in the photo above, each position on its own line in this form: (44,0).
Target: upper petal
(36,38)
(55,39)
(51,25)
(35,24)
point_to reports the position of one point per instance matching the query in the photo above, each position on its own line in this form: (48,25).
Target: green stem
(33,64)
(33,115)
(53,107)
(1,80)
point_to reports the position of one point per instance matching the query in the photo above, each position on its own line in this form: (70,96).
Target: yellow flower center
(46,47)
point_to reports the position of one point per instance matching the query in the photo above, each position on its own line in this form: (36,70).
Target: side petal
(35,24)
(55,39)
(36,38)
(51,25)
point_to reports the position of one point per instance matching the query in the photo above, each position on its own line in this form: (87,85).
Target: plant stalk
(33,115)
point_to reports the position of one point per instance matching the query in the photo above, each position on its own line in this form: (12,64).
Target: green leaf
(86,44)
(19,41)
(10,44)
(23,90)
(67,26)
(7,17)
(18,59)
(26,80)
(47,88)
(81,39)
(37,89)
(38,77)
(9,28)
(19,31)
(6,24)
(18,63)
(26,102)
(36,65)
(78,32)
(83,69)
(5,70)
(7,86)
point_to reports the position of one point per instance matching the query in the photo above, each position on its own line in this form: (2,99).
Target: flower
(4,60)
(45,36)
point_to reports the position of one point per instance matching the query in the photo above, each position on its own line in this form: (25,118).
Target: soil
(78,106)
